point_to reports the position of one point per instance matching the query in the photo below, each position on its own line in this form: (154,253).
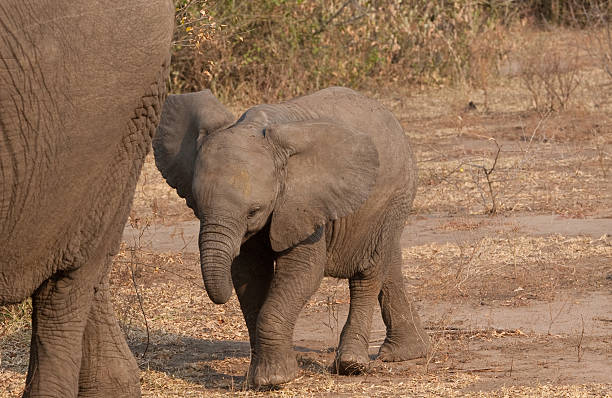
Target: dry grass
(543,179)
(507,268)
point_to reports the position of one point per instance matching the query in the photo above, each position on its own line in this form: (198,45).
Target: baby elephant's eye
(253,212)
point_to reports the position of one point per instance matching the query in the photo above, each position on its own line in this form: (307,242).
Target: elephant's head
(292,176)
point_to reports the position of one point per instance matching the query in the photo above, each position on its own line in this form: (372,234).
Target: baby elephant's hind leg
(352,356)
(406,338)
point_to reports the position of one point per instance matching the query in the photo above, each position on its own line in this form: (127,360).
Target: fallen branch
(478,370)
(466,332)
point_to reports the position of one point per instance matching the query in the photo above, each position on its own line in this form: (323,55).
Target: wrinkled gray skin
(320,185)
(81,88)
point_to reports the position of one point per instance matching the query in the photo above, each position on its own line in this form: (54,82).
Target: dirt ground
(508,255)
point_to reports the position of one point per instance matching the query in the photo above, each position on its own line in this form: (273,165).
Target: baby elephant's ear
(184,117)
(330,170)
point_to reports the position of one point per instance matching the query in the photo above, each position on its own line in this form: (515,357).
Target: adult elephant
(81,89)
(319,185)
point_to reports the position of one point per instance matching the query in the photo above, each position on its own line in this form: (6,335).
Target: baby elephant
(317,186)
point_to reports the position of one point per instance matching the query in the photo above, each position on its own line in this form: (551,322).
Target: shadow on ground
(215,364)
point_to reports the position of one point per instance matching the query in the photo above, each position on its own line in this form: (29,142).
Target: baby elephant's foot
(350,362)
(268,370)
(396,352)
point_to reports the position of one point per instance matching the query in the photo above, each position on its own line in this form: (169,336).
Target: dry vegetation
(510,117)
(253,51)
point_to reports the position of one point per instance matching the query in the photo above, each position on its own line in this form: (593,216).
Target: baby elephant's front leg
(298,274)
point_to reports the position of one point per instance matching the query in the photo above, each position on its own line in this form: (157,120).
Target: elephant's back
(396,159)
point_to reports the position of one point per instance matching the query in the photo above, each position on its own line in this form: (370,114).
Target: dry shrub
(604,42)
(600,48)
(602,143)
(271,49)
(562,12)
(486,50)
(194,26)
(550,73)
(252,51)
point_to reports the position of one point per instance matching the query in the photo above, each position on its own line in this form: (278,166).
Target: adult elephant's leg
(352,356)
(60,307)
(298,274)
(252,272)
(108,368)
(406,338)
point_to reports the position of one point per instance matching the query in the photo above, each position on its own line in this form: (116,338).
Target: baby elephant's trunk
(219,245)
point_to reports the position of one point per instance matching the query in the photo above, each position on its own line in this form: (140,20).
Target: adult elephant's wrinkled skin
(319,185)
(81,88)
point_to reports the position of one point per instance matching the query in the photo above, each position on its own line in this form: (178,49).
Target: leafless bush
(605,45)
(579,341)
(601,143)
(333,321)
(129,308)
(486,51)
(575,13)
(480,172)
(550,76)
(439,344)
(600,44)
(600,18)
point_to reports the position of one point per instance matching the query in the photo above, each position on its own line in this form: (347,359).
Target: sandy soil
(517,303)
(530,336)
